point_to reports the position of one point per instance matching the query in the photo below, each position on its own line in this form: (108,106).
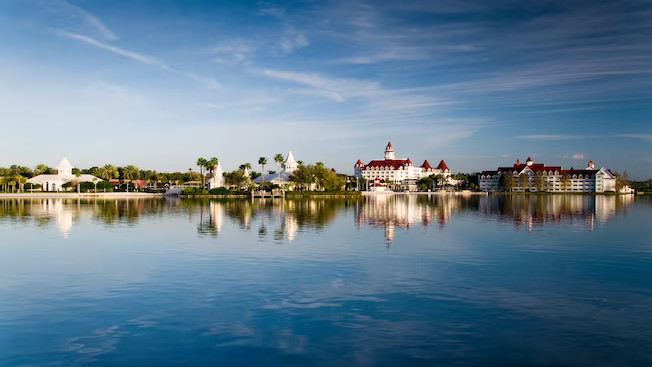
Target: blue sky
(476,83)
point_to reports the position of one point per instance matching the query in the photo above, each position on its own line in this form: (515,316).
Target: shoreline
(54,195)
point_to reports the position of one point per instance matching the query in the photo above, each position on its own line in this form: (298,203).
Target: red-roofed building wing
(396,163)
(442,166)
(426,165)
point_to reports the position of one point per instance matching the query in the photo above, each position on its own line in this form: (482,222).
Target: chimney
(518,161)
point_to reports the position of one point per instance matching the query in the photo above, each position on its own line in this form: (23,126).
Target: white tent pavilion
(289,166)
(64,175)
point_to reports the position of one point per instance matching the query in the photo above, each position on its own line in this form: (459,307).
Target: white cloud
(647,137)
(89,19)
(551,137)
(338,88)
(208,82)
(291,40)
(267,9)
(578,156)
(233,51)
(116,50)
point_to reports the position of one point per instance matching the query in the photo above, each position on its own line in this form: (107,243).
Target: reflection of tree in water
(285,216)
(125,210)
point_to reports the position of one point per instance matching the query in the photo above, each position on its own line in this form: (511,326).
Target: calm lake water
(393,281)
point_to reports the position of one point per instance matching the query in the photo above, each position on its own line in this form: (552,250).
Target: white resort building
(398,171)
(64,175)
(534,177)
(289,166)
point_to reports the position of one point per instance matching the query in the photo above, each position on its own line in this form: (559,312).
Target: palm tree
(77,182)
(130,173)
(278,158)
(109,171)
(41,169)
(300,163)
(262,161)
(212,164)
(22,180)
(95,184)
(202,162)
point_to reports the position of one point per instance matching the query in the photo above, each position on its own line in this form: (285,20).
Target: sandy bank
(51,195)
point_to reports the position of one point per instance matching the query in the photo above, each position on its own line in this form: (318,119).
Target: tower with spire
(290,164)
(389,151)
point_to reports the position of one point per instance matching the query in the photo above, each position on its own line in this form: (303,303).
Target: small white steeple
(290,164)
(218,178)
(64,167)
(591,166)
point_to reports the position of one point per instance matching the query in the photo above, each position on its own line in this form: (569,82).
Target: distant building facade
(64,175)
(399,171)
(532,177)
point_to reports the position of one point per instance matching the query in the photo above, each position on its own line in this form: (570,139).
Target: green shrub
(220,191)
(195,191)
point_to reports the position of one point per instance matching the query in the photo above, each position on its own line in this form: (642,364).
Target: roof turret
(442,166)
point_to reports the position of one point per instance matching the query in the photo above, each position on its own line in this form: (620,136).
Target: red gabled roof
(408,161)
(359,162)
(540,167)
(442,165)
(389,146)
(581,171)
(396,163)
(529,159)
(426,165)
(534,167)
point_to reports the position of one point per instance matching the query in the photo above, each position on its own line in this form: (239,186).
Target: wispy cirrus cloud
(338,89)
(554,137)
(87,18)
(116,50)
(646,137)
(233,50)
(291,40)
(144,59)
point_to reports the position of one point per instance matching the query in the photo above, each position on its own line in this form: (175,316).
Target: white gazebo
(289,166)
(64,175)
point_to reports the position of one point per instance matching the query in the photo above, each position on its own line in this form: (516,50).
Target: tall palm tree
(77,182)
(202,162)
(262,161)
(212,164)
(130,173)
(278,158)
(21,180)
(110,171)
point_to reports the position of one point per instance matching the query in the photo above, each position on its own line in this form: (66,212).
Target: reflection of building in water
(213,224)
(63,215)
(531,211)
(216,215)
(404,211)
(291,227)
